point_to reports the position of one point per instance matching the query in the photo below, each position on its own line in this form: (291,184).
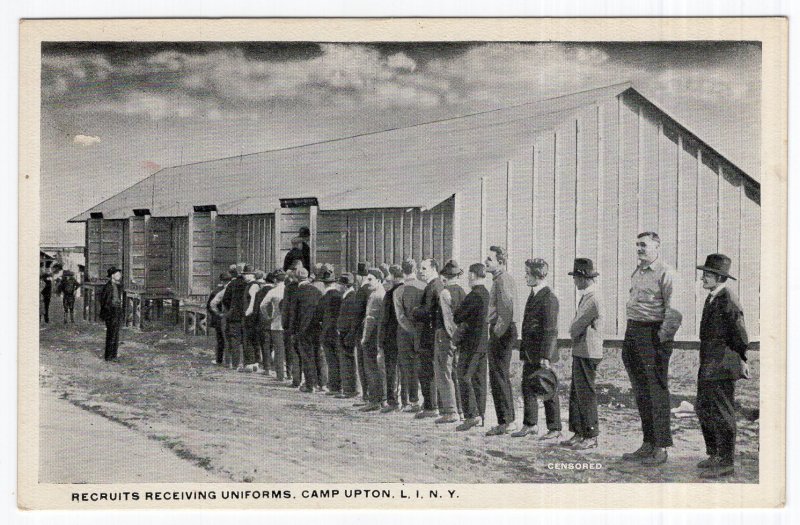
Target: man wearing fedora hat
(723,360)
(450,298)
(586,332)
(329,306)
(111,311)
(300,252)
(647,349)
(538,349)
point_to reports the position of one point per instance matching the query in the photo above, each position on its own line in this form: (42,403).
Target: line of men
(412,340)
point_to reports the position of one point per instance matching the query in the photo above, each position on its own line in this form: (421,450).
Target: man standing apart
(425,315)
(374,367)
(539,348)
(472,321)
(406,298)
(502,335)
(723,361)
(646,351)
(111,311)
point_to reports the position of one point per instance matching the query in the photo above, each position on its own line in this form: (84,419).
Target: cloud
(401,61)
(85,140)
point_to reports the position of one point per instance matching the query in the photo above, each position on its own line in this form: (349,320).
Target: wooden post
(312,226)
(484,206)
(190,251)
(213,223)
(276,238)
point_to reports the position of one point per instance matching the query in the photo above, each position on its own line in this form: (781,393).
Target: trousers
(408,363)
(293,358)
(472,383)
(113,324)
(374,368)
(583,419)
(362,373)
(392,365)
(329,347)
(717,415)
(234,331)
(427,378)
(347,366)
(444,356)
(252,341)
(500,349)
(646,360)
(552,407)
(274,352)
(315,368)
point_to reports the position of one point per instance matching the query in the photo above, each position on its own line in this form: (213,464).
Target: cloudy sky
(113,114)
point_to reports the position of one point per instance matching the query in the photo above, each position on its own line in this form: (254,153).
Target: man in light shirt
(271,313)
(647,349)
(373,355)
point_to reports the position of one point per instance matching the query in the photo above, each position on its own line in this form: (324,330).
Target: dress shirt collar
(717,289)
(536,289)
(586,291)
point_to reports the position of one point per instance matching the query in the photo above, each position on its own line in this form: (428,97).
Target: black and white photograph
(457,262)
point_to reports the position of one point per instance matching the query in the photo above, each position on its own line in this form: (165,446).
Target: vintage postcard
(402,263)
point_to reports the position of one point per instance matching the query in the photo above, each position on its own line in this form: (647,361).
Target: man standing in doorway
(502,336)
(646,350)
(111,311)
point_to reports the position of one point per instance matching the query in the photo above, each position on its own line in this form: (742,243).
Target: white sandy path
(78,446)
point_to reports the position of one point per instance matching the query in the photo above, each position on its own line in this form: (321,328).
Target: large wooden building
(574,176)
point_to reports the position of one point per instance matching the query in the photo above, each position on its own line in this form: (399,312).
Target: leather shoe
(574,440)
(710,462)
(447,418)
(426,413)
(551,435)
(525,430)
(720,471)
(659,457)
(390,408)
(412,408)
(371,407)
(499,430)
(646,450)
(585,443)
(469,423)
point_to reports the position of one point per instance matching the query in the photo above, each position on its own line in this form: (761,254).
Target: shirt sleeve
(216,302)
(505,305)
(400,312)
(446,304)
(736,336)
(586,315)
(666,294)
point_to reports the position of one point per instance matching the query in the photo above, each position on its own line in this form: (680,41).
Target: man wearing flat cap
(111,311)
(723,361)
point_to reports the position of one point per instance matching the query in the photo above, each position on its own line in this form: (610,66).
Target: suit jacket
(425,313)
(329,306)
(723,338)
(234,299)
(288,305)
(107,298)
(349,321)
(586,330)
(390,323)
(473,312)
(306,319)
(540,327)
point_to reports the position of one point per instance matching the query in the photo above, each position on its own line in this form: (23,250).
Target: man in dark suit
(111,311)
(217,321)
(347,328)
(233,303)
(329,306)
(294,364)
(539,349)
(307,326)
(389,343)
(425,314)
(723,360)
(362,297)
(472,340)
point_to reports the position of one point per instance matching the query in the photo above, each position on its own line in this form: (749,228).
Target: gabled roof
(430,161)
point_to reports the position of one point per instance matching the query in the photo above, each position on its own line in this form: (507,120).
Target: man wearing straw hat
(723,361)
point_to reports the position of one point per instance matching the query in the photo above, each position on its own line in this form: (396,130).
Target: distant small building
(69,257)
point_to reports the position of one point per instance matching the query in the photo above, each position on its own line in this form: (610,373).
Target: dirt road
(246,427)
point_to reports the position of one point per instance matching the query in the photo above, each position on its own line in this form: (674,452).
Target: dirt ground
(246,427)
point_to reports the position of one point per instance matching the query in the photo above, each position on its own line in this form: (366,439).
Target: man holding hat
(374,368)
(111,311)
(347,325)
(723,361)
(538,349)
(444,357)
(328,307)
(586,332)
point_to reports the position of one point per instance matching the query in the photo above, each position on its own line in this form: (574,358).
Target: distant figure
(47,292)
(723,361)
(111,311)
(67,288)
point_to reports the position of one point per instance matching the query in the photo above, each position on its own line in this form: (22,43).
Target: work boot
(646,450)
(526,430)
(659,457)
(719,471)
(412,408)
(371,407)
(390,408)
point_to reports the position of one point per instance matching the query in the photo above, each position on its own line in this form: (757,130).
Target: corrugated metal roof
(429,161)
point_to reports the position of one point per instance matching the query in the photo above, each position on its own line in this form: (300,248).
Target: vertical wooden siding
(292,219)
(202,241)
(136,253)
(588,185)
(224,242)
(179,283)
(256,245)
(105,242)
